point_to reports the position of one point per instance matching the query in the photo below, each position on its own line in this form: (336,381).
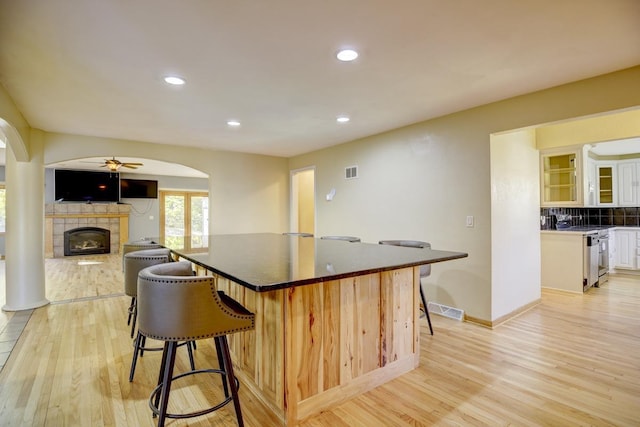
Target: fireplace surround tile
(61,217)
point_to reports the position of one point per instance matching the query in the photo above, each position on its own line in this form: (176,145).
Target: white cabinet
(627,249)
(613,249)
(606,184)
(561,178)
(591,183)
(628,186)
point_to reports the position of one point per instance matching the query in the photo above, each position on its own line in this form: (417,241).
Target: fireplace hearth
(87,241)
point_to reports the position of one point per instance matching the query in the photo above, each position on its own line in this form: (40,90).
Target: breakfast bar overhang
(334,319)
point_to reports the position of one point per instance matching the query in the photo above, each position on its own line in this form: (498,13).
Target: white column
(25,279)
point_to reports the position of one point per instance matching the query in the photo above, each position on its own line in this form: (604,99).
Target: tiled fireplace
(63,217)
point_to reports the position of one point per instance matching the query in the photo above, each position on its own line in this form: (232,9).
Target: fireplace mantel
(61,217)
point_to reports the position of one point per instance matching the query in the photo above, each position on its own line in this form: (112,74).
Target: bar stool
(136,245)
(133,263)
(175,306)
(351,239)
(425,270)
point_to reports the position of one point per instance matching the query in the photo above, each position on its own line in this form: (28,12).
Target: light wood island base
(315,346)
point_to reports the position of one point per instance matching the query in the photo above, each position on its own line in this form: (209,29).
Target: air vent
(446,311)
(351,172)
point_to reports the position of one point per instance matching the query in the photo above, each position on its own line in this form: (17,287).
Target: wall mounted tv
(138,189)
(86,186)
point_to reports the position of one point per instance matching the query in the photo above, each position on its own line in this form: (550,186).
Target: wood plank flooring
(571,360)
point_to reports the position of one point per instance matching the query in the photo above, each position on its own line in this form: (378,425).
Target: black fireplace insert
(86,241)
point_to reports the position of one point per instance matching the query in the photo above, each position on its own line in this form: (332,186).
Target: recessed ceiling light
(342,119)
(175,80)
(347,55)
(233,123)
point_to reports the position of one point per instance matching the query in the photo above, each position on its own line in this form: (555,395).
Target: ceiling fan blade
(133,164)
(130,165)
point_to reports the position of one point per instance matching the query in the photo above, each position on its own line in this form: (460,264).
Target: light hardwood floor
(571,360)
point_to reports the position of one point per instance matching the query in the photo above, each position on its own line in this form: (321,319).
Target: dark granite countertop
(583,229)
(268,261)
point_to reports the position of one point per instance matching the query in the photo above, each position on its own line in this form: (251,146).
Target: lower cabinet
(627,249)
(562,261)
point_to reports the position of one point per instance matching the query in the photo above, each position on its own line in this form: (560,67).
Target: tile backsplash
(627,216)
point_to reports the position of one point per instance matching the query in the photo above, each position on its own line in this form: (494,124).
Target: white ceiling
(96,67)
(616,148)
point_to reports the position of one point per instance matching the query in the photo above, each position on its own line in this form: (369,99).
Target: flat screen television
(138,189)
(86,186)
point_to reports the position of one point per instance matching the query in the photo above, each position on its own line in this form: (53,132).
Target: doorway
(303,196)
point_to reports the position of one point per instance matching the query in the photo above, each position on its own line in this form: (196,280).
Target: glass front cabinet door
(606,184)
(560,176)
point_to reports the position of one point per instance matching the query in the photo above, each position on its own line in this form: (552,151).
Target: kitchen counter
(585,229)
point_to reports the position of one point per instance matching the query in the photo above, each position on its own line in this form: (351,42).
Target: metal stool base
(139,347)
(158,389)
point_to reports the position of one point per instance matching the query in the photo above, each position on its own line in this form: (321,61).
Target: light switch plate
(470,221)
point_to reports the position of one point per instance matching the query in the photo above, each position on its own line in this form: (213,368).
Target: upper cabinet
(572,177)
(561,178)
(628,189)
(606,181)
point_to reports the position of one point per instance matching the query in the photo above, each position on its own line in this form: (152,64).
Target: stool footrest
(158,389)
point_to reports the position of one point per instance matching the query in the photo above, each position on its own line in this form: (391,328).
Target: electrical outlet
(470,221)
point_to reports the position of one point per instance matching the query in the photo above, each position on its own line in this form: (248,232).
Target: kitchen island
(333,318)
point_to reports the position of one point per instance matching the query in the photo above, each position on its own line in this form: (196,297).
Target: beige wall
(421,181)
(13,127)
(515,211)
(248,193)
(589,130)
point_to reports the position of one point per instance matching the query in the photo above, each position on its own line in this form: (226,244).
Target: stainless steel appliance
(603,256)
(591,260)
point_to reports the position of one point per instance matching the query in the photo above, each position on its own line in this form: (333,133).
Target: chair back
(175,305)
(425,270)
(137,245)
(136,261)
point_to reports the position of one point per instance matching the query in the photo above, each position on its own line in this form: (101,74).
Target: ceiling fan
(114,164)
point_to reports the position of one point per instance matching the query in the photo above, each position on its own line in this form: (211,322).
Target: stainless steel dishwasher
(591,260)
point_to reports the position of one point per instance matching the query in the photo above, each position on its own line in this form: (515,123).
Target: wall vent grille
(446,311)
(351,172)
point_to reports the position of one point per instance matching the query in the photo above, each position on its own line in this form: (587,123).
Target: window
(184,219)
